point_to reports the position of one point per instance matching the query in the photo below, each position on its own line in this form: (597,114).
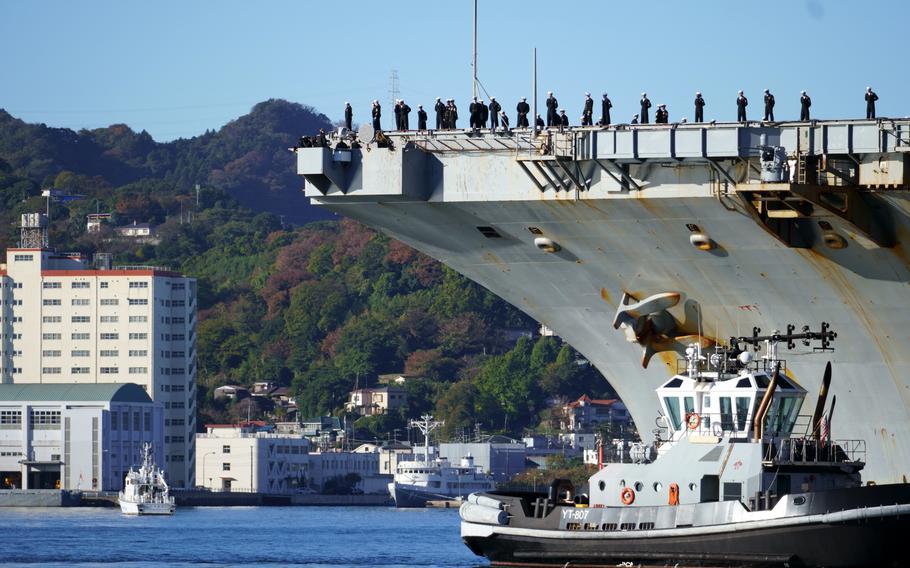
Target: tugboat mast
(426,425)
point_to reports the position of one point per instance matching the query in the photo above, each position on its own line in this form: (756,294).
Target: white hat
(634,116)
(524,98)
(868,88)
(492,98)
(346,102)
(419,106)
(562,110)
(644,94)
(587,94)
(605,94)
(767,91)
(438,99)
(802,92)
(740,92)
(697,92)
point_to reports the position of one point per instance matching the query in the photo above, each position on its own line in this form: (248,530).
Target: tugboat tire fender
(627,496)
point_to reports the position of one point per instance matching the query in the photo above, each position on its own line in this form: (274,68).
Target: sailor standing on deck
(453,114)
(769,106)
(421,118)
(539,122)
(495,108)
(605,106)
(523,110)
(405,111)
(397,111)
(377,115)
(473,112)
(741,103)
(348,116)
(662,116)
(505,121)
(552,105)
(440,109)
(587,116)
(804,103)
(871,97)
(645,105)
(484,114)
(699,107)
(563,119)
(634,119)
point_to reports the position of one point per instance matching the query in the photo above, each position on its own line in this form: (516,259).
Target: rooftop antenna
(393,86)
(426,424)
(474,62)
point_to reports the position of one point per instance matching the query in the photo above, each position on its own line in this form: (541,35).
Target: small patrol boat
(742,479)
(145,492)
(435,478)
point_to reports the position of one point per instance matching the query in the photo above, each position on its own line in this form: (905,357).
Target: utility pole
(197,196)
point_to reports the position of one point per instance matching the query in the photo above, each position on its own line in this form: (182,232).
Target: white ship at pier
(631,240)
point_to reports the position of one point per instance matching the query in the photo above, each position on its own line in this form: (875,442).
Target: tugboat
(145,492)
(733,483)
(434,478)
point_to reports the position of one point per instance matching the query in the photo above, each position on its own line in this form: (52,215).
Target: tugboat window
(726,413)
(672,404)
(689,404)
(602,485)
(742,412)
(639,486)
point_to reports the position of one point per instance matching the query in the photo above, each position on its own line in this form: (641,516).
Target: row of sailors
(480,113)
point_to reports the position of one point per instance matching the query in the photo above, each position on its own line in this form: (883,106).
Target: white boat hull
(133,508)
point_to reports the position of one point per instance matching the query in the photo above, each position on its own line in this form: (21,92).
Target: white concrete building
(75,436)
(239,458)
(62,321)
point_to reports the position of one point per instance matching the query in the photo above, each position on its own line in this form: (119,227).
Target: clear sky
(178,67)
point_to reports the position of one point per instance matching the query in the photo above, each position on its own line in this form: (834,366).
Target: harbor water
(309,537)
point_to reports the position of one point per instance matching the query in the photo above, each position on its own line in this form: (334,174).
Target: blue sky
(176,68)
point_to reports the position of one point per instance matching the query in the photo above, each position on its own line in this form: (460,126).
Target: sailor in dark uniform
(405,111)
(552,105)
(440,109)
(523,110)
(563,119)
(871,97)
(397,111)
(741,103)
(505,120)
(539,122)
(645,105)
(348,116)
(605,106)
(484,114)
(377,115)
(634,119)
(588,113)
(769,106)
(495,109)
(662,116)
(472,113)
(699,107)
(804,103)
(453,114)
(421,118)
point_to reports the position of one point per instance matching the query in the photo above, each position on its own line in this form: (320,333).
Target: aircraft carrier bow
(631,241)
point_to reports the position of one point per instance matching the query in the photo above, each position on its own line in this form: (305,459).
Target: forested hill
(318,307)
(248,157)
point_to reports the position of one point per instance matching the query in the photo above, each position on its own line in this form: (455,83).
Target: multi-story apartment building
(63,321)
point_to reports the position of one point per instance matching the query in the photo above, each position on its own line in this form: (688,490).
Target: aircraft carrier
(631,241)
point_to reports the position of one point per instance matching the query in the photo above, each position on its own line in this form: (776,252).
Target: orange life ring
(627,496)
(693,420)
(674,494)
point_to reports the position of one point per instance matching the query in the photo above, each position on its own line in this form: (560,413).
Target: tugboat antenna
(825,337)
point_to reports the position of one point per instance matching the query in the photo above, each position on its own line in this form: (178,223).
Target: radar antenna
(426,425)
(824,337)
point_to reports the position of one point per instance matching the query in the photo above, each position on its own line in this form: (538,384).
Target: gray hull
(410,498)
(614,240)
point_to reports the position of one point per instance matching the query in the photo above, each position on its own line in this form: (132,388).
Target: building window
(110,336)
(76,285)
(139,353)
(139,302)
(79,302)
(178,320)
(23,257)
(125,423)
(139,370)
(177,458)
(179,286)
(139,284)
(50,353)
(103,285)
(51,319)
(177,405)
(178,388)
(44,419)
(139,319)
(79,336)
(50,370)
(178,303)
(110,370)
(114,423)
(110,302)
(226,466)
(79,353)
(50,285)
(50,302)
(79,370)
(10,419)
(110,353)
(109,319)
(50,336)
(148,421)
(139,336)
(81,319)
